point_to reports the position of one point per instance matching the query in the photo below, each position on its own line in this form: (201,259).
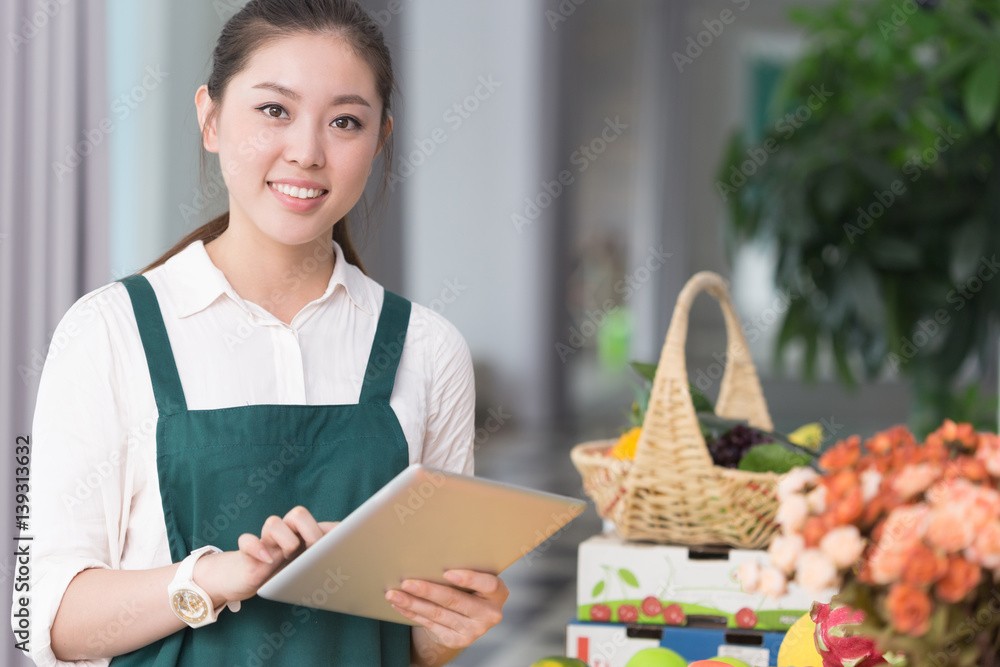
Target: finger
(327,526)
(277,535)
(463,612)
(302,522)
(251,546)
(485,584)
(446,636)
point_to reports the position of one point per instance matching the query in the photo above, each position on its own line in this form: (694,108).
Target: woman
(252,381)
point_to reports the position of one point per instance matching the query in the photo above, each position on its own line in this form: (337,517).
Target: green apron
(223,472)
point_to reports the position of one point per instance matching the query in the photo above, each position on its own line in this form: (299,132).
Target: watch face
(189,606)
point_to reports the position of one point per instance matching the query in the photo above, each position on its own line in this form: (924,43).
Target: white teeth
(299,193)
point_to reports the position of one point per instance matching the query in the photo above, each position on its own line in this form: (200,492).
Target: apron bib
(223,472)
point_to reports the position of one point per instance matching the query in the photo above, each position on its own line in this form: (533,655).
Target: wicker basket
(672,492)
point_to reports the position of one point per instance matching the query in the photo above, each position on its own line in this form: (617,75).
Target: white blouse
(94,489)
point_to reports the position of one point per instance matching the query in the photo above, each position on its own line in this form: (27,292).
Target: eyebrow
(340,99)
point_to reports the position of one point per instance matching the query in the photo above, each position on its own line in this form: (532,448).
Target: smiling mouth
(299,193)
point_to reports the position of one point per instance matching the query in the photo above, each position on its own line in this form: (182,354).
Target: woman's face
(303,114)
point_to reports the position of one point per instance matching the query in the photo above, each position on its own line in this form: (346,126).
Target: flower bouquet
(910,532)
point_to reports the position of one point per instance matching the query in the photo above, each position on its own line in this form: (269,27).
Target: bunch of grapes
(731,446)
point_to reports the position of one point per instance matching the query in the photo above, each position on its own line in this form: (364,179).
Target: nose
(304,145)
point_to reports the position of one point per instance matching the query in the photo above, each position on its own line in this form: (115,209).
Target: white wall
(460,197)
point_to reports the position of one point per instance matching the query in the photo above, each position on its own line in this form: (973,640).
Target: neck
(279,278)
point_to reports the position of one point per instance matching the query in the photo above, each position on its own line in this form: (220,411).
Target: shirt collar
(200,282)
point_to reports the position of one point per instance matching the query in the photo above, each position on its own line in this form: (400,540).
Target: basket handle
(671,412)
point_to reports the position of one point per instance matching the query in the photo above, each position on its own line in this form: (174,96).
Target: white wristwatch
(189,601)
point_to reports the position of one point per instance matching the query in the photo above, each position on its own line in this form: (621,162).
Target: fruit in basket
(798,648)
(651,606)
(559,661)
(674,615)
(628,613)
(600,613)
(728,449)
(656,657)
(809,436)
(625,447)
(709,663)
(746,618)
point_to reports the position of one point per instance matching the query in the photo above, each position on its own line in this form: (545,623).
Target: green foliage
(882,196)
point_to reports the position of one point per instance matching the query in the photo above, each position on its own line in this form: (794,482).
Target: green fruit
(558,661)
(656,657)
(735,662)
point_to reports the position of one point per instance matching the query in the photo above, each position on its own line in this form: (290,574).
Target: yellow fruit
(625,449)
(809,436)
(798,649)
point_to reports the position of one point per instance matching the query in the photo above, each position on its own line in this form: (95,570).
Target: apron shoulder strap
(160,358)
(387,348)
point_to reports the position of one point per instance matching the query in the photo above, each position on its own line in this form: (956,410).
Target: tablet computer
(421,523)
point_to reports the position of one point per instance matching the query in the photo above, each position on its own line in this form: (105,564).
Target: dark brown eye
(272,110)
(346,123)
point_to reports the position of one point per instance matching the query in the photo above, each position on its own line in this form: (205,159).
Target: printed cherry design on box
(628,607)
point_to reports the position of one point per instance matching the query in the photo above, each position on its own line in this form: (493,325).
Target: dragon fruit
(835,641)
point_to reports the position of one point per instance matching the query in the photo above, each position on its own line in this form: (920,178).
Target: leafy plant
(878,185)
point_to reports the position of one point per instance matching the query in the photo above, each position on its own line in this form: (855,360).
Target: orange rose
(949,528)
(923,567)
(814,530)
(839,484)
(886,563)
(959,434)
(961,577)
(842,455)
(849,509)
(967,467)
(909,610)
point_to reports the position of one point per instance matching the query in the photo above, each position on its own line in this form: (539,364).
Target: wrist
(207,575)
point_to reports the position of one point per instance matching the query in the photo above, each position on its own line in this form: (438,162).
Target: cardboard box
(614,575)
(614,644)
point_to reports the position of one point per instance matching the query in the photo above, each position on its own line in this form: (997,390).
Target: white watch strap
(186,571)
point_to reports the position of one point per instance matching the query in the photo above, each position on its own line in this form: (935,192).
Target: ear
(209,135)
(385,135)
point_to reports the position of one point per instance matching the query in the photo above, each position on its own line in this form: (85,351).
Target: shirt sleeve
(78,446)
(451,420)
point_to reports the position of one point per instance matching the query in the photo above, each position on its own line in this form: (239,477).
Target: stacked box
(621,581)
(614,644)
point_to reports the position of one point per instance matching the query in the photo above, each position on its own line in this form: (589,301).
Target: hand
(452,618)
(236,575)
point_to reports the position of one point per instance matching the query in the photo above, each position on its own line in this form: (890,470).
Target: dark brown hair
(262,21)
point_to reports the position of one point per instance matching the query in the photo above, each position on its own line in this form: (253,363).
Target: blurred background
(562,167)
